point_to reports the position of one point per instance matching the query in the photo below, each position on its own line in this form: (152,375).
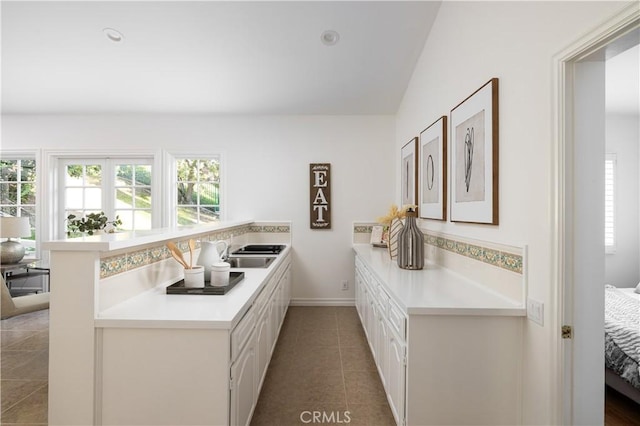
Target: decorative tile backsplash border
(270,229)
(118,264)
(499,258)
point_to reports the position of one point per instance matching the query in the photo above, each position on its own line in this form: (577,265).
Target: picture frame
(474,157)
(409,173)
(433,171)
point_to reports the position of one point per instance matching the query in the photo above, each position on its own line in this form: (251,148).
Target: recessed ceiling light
(329,37)
(113,35)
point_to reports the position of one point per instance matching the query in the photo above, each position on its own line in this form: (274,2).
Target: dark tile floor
(322,372)
(321,366)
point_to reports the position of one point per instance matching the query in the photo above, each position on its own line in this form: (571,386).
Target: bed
(622,341)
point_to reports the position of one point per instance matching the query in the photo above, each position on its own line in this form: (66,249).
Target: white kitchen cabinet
(216,373)
(263,351)
(243,384)
(442,357)
(395,384)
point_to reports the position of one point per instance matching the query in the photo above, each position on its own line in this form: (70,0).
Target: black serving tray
(179,288)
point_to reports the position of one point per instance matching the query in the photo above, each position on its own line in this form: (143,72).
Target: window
(133,195)
(198,190)
(609,203)
(18,193)
(118,187)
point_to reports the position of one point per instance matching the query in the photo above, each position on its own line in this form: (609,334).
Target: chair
(10,307)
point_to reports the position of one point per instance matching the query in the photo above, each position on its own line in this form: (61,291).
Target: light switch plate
(535,311)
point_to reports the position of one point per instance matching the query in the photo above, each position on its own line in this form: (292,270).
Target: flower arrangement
(392,226)
(395,213)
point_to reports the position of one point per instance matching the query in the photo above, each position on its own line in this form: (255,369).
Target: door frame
(561,208)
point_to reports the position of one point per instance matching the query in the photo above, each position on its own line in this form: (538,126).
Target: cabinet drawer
(240,335)
(397,320)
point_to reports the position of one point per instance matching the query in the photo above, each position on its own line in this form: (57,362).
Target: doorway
(578,215)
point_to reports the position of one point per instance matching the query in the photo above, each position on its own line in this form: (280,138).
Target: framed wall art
(432,186)
(320,195)
(474,157)
(409,170)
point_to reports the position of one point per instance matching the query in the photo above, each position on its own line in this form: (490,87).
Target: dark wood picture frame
(474,157)
(320,195)
(409,173)
(433,171)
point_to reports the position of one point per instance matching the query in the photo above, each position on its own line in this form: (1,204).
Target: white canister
(194,277)
(220,274)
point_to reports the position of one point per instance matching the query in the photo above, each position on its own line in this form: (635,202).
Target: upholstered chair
(12,306)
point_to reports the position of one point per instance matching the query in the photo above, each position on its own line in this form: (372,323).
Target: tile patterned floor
(322,367)
(24,369)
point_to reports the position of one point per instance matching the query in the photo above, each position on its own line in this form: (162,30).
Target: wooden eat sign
(320,191)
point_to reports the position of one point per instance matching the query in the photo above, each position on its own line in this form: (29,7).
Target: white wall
(623,139)
(266,171)
(470,43)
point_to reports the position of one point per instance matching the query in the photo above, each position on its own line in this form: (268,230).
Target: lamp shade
(14,227)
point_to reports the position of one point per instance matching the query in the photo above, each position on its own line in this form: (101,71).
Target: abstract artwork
(474,162)
(433,171)
(409,173)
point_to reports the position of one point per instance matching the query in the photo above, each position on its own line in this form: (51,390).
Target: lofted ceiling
(228,57)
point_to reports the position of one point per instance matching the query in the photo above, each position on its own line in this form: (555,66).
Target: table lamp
(13,227)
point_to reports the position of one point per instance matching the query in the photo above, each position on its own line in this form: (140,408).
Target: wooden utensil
(192,247)
(177,254)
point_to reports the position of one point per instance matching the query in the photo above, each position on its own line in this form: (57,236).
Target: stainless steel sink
(250,262)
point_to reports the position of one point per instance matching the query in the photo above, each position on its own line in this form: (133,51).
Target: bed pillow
(637,290)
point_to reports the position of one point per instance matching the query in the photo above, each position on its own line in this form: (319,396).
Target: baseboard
(322,302)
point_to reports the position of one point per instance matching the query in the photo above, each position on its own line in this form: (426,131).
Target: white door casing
(577,252)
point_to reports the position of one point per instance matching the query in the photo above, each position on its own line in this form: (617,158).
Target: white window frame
(610,228)
(54,183)
(170,159)
(35,155)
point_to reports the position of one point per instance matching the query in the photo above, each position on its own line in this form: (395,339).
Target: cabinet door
(382,359)
(243,385)
(262,346)
(273,320)
(359,293)
(372,319)
(396,378)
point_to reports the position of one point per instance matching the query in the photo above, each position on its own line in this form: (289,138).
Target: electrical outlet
(535,311)
(345,285)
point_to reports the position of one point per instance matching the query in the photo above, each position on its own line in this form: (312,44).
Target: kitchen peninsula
(122,351)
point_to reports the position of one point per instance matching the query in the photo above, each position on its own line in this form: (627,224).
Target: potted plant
(90,224)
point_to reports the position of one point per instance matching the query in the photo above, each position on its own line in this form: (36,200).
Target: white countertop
(156,309)
(435,290)
(127,239)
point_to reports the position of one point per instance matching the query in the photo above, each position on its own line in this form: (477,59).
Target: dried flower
(395,213)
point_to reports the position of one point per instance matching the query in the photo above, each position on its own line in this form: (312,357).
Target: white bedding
(622,319)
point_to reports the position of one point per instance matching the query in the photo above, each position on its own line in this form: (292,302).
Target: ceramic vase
(394,229)
(194,277)
(411,244)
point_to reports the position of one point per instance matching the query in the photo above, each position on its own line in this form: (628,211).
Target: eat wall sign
(320,190)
